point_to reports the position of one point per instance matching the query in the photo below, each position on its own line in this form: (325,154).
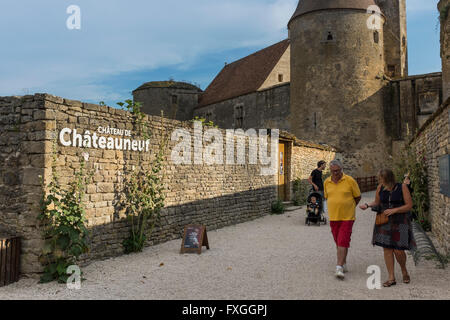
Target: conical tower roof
(306,6)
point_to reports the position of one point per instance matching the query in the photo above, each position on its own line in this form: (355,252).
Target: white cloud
(41,54)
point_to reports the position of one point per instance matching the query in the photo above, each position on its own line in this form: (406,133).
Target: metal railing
(367,184)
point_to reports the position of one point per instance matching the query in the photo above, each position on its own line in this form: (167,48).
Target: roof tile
(243,76)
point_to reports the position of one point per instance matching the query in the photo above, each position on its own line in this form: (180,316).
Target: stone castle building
(336,80)
(361,84)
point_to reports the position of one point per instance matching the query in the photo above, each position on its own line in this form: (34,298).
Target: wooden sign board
(194,238)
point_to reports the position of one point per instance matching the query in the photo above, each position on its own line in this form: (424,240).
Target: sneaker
(340,272)
(344,267)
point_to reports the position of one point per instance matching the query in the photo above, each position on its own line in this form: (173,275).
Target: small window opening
(174,99)
(391,70)
(330,36)
(280,78)
(239,116)
(376,37)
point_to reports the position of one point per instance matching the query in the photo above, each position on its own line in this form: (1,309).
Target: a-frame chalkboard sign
(194,238)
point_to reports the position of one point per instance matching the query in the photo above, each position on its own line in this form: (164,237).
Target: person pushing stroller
(315,179)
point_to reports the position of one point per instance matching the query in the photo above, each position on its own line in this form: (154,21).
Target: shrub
(278,207)
(413,162)
(64,223)
(144,193)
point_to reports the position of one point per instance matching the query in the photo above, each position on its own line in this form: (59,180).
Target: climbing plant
(443,13)
(204,122)
(64,224)
(413,162)
(144,193)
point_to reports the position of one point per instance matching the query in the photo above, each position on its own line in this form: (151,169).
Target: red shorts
(342,231)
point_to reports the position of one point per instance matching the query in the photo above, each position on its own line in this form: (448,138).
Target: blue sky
(122,44)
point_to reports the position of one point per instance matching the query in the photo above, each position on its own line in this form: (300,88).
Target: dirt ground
(274,257)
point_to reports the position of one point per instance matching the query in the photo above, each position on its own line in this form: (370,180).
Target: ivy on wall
(443,14)
(413,162)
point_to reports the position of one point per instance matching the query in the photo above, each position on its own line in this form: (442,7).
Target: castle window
(239,116)
(391,70)
(329,37)
(376,37)
(174,99)
(280,78)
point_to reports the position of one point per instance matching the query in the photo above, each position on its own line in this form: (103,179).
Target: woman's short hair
(388,177)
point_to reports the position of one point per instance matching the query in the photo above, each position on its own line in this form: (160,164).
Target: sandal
(406,279)
(389,283)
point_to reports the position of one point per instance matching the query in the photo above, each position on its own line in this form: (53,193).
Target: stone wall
(395,37)
(410,101)
(23,134)
(305,157)
(267,108)
(443,7)
(433,141)
(215,195)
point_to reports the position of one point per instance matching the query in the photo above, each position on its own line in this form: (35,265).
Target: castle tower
(337,68)
(395,37)
(176,99)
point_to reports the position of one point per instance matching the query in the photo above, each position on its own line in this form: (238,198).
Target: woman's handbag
(381,218)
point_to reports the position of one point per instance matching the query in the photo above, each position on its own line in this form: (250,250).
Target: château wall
(432,142)
(215,195)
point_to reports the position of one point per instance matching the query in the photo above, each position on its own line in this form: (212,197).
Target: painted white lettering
(110,145)
(77,138)
(125,143)
(134,145)
(64,131)
(102,142)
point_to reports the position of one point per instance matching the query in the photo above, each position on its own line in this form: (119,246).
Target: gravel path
(274,257)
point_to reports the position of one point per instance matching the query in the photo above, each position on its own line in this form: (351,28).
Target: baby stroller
(311,216)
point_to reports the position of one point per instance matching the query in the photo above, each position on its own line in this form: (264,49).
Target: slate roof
(168,84)
(244,76)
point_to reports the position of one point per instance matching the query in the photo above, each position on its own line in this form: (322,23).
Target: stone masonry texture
(213,195)
(433,141)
